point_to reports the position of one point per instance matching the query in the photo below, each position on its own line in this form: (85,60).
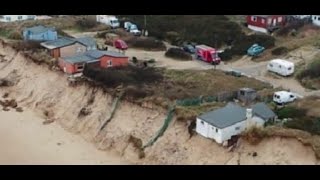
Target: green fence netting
(196,101)
(113,110)
(163,128)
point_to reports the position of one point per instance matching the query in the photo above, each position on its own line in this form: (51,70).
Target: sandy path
(25,140)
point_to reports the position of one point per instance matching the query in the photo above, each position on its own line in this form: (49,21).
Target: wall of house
(45,36)
(116,61)
(72,50)
(316,20)
(55,53)
(66,67)
(232,130)
(202,128)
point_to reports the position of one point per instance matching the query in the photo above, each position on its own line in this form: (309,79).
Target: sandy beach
(25,140)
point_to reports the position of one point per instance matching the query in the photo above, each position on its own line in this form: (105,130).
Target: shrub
(26,45)
(15,35)
(86,23)
(130,75)
(292,26)
(177,53)
(312,71)
(146,43)
(279,51)
(306,124)
(291,112)
(226,55)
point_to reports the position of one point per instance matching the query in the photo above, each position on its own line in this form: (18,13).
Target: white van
(108,20)
(283,97)
(281,67)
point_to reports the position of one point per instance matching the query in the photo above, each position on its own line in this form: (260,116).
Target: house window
(289,68)
(237,128)
(279,19)
(8,18)
(279,66)
(270,65)
(109,63)
(242,93)
(263,21)
(19,17)
(314,17)
(79,50)
(269,21)
(216,129)
(318,18)
(254,18)
(80,67)
(202,122)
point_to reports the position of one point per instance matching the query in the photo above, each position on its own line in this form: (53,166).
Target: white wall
(259,29)
(316,20)
(224,134)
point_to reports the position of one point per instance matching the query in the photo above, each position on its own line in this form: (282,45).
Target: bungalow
(75,64)
(315,19)
(40,33)
(12,18)
(113,58)
(265,23)
(222,124)
(67,47)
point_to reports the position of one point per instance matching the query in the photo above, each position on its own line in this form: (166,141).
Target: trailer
(207,54)
(281,67)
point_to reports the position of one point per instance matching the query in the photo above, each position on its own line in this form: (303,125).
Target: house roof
(39,29)
(233,113)
(95,53)
(58,43)
(114,54)
(225,116)
(263,111)
(79,58)
(87,41)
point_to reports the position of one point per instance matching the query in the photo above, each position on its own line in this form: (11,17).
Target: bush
(291,112)
(86,23)
(279,51)
(179,54)
(112,77)
(146,43)
(312,71)
(226,55)
(26,45)
(15,35)
(306,124)
(292,26)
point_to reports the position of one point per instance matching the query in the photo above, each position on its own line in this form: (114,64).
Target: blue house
(40,33)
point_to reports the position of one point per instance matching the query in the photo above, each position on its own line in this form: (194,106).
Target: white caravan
(281,67)
(283,97)
(108,20)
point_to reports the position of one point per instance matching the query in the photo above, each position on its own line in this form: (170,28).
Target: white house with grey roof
(222,124)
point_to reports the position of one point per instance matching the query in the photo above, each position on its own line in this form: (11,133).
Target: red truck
(207,54)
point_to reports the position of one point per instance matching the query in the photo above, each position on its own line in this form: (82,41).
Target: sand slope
(25,140)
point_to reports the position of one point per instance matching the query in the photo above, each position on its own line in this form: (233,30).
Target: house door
(274,21)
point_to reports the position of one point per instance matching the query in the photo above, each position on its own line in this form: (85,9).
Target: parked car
(255,50)
(189,48)
(283,97)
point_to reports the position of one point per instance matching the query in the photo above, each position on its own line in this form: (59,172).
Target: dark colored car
(189,48)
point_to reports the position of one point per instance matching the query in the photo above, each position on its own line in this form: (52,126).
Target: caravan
(283,97)
(281,67)
(108,20)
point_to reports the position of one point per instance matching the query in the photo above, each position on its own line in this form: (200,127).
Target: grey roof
(263,111)
(225,116)
(58,43)
(95,53)
(114,54)
(79,58)
(233,113)
(39,29)
(87,41)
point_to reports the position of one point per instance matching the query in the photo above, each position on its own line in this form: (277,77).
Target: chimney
(249,117)
(249,113)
